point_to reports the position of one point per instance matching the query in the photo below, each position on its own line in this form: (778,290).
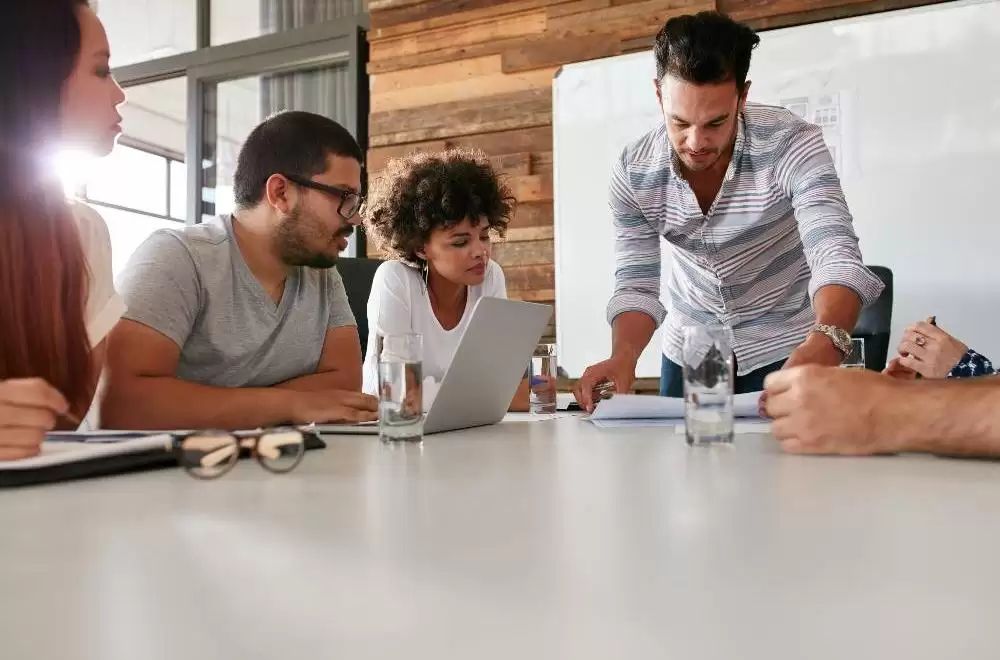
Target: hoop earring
(426,272)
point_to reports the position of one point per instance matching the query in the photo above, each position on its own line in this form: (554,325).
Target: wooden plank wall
(479,73)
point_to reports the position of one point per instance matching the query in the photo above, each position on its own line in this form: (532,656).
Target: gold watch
(841,338)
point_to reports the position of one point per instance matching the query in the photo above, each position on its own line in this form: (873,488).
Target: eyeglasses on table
(212,453)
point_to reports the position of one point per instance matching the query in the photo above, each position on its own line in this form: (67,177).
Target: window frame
(152,150)
(332,43)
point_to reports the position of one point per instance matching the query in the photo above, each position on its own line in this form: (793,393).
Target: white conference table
(548,539)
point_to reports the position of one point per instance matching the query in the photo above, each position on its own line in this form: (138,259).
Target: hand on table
(824,410)
(927,350)
(816,349)
(334,406)
(617,369)
(29,408)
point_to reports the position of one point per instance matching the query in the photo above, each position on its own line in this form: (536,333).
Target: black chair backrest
(875,323)
(358,274)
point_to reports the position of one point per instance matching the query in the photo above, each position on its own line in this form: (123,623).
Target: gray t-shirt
(194,286)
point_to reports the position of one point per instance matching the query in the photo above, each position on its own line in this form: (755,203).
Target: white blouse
(104,305)
(399,304)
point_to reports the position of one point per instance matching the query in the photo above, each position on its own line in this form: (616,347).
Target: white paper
(98,437)
(61,452)
(670,423)
(640,406)
(536,417)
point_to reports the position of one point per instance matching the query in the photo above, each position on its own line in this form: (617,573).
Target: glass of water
(543,376)
(400,387)
(708,385)
(856,358)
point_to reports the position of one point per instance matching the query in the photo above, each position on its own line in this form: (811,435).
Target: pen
(71,418)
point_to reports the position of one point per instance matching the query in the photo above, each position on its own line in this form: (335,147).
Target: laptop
(488,366)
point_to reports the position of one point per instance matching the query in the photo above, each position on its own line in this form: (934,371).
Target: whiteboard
(910,105)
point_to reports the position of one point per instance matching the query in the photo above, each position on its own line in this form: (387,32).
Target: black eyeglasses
(350,200)
(211,454)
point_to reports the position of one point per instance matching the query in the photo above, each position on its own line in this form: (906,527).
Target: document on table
(643,410)
(64,448)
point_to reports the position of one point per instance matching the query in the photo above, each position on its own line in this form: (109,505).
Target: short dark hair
(421,192)
(705,48)
(289,142)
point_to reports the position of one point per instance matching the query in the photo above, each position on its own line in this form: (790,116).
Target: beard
(294,236)
(703,164)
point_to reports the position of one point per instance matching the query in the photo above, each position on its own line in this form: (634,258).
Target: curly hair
(421,192)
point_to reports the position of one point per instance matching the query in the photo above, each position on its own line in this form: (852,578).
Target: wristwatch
(841,338)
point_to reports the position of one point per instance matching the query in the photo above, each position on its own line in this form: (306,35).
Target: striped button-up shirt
(778,231)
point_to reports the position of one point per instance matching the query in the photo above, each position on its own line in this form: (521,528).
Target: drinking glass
(856,358)
(543,376)
(400,387)
(708,385)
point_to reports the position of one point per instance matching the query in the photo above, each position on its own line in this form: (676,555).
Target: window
(148,29)
(238,61)
(141,186)
(131,178)
(136,192)
(235,20)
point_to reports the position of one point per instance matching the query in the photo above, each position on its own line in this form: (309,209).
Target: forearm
(337,379)
(630,334)
(149,403)
(837,305)
(520,402)
(943,417)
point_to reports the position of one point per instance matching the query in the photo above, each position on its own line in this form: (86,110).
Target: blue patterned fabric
(971,365)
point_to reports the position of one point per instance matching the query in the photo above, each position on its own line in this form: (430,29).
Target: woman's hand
(29,408)
(929,351)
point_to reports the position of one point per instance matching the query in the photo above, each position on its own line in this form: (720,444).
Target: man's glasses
(350,201)
(211,454)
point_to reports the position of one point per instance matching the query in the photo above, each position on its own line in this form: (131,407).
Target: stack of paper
(643,410)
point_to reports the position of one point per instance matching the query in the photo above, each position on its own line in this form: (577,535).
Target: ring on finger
(921,341)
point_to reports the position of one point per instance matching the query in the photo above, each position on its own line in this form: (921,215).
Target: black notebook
(68,456)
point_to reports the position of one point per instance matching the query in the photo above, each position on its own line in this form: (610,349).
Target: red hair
(43,270)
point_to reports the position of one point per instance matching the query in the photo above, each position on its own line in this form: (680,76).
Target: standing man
(748,197)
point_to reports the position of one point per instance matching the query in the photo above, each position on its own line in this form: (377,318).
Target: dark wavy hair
(705,48)
(425,191)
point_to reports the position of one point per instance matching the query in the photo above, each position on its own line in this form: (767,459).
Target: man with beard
(748,197)
(243,322)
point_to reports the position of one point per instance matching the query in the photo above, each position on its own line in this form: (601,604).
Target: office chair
(358,274)
(875,323)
